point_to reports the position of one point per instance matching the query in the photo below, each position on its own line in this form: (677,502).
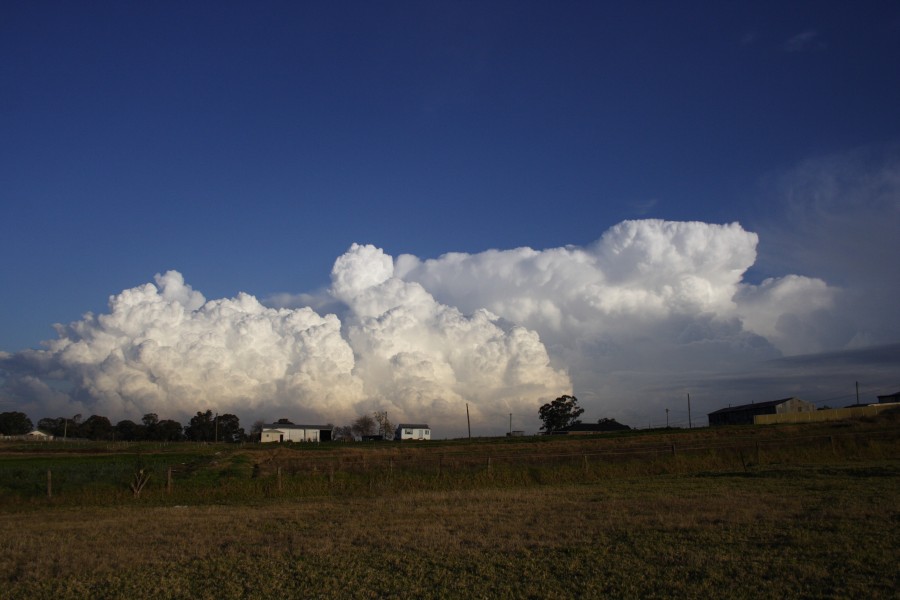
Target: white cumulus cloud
(163,348)
(629,323)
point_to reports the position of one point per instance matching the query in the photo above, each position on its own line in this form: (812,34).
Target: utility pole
(690,426)
(667,418)
(510,424)
(216,421)
(468,421)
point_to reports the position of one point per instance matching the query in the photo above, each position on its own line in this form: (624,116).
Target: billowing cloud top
(497,332)
(637,273)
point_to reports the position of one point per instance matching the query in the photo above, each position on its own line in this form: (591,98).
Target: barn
(743,414)
(289,432)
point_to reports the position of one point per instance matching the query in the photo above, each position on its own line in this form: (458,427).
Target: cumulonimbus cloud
(493,333)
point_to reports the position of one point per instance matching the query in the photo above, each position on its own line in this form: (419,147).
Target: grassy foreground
(794,531)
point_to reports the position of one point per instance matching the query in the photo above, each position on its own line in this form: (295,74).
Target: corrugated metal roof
(752,405)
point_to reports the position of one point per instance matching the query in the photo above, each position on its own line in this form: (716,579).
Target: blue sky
(248,145)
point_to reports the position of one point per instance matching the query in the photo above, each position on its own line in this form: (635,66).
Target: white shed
(412,431)
(289,432)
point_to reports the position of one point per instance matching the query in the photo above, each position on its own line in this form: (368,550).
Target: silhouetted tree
(229,429)
(202,427)
(149,423)
(560,413)
(96,428)
(168,430)
(54,427)
(15,423)
(343,434)
(384,424)
(128,431)
(364,425)
(256,430)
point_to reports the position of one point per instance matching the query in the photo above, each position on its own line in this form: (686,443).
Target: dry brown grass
(790,532)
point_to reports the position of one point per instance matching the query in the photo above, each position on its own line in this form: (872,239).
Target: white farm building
(412,431)
(289,432)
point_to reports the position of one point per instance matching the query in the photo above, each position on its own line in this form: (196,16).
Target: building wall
(289,435)
(415,434)
(833,414)
(795,405)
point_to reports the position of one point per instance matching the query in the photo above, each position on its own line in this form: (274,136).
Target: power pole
(510,424)
(689,411)
(468,421)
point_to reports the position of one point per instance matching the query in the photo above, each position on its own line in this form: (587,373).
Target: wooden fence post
(584,456)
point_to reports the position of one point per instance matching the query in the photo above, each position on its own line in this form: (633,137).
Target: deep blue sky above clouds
(248,145)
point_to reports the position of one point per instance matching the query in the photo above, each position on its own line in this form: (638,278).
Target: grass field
(708,521)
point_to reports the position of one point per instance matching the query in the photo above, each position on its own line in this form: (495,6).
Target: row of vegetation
(203,427)
(208,427)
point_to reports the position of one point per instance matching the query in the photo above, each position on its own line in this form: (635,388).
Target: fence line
(446,461)
(279,473)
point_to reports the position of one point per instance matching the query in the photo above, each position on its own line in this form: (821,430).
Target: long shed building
(743,414)
(289,432)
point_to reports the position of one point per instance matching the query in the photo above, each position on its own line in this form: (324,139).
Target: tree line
(366,427)
(205,426)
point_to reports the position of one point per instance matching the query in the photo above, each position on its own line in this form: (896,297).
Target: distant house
(412,431)
(743,414)
(289,432)
(38,435)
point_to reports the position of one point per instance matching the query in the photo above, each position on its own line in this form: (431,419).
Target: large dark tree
(168,430)
(15,423)
(128,431)
(150,421)
(55,427)
(560,413)
(202,427)
(228,429)
(96,428)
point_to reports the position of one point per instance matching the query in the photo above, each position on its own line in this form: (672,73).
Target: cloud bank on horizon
(618,321)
